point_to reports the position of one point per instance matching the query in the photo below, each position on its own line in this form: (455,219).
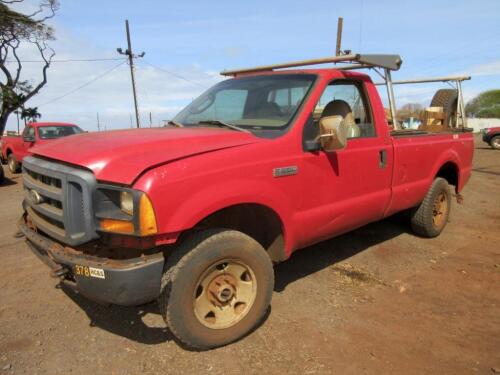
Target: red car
(195,215)
(492,137)
(15,148)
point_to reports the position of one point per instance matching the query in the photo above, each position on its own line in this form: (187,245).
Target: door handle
(382,158)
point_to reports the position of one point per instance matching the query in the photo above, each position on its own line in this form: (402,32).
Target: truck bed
(416,153)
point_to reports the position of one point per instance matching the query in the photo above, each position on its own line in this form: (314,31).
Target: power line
(66,60)
(175,74)
(84,85)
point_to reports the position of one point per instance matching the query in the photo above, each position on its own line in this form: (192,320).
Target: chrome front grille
(58,200)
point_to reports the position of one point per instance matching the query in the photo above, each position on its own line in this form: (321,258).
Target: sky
(187,43)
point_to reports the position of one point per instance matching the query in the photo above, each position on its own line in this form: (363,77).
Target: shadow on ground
(7,182)
(325,254)
(123,321)
(128,321)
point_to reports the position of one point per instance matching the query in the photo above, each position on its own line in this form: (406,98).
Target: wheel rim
(440,209)
(11,164)
(224,294)
(496,143)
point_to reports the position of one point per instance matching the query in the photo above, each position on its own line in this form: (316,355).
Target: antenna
(340,23)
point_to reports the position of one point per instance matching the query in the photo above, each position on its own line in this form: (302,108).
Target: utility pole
(150,120)
(98,123)
(339,36)
(128,52)
(17,114)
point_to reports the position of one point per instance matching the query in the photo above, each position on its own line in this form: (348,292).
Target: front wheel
(431,216)
(495,142)
(13,164)
(216,288)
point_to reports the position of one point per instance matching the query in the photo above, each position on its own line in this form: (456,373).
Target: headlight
(125,211)
(127,202)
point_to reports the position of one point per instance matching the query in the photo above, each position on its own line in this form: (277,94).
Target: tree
(17,29)
(30,114)
(485,105)
(409,110)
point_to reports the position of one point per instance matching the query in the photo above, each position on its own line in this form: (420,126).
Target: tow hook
(460,198)
(58,272)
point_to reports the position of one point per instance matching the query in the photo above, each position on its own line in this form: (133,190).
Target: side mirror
(29,139)
(332,133)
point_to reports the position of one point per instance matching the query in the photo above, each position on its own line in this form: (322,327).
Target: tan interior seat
(343,109)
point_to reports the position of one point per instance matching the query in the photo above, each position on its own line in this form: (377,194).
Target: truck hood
(121,156)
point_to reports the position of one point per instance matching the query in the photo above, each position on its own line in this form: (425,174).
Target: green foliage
(485,105)
(30,114)
(18,29)
(18,26)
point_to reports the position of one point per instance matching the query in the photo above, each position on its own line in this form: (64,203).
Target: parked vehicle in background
(15,148)
(196,214)
(492,137)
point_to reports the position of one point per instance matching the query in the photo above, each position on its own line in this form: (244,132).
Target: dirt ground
(377,300)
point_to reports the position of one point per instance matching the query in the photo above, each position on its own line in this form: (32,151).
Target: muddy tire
(2,176)
(216,288)
(448,99)
(495,142)
(431,216)
(13,164)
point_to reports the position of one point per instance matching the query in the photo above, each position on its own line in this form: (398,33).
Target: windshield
(252,103)
(52,132)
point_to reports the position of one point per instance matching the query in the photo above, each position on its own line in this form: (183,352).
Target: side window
(29,131)
(347,99)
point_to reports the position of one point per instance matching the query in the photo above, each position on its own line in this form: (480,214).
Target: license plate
(86,271)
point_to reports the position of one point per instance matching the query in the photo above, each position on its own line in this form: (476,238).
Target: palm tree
(30,114)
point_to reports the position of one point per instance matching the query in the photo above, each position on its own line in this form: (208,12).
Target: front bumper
(125,282)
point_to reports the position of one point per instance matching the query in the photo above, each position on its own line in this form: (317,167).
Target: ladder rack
(391,62)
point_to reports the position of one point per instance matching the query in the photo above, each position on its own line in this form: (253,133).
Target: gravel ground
(377,300)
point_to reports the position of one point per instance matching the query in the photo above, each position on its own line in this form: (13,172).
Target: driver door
(350,187)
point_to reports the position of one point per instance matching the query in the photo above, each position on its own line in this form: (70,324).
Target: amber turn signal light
(117,226)
(147,218)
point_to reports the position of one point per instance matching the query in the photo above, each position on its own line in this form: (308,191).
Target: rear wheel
(495,142)
(13,164)
(430,218)
(217,287)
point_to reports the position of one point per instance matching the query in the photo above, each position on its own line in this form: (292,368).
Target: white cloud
(487,69)
(159,92)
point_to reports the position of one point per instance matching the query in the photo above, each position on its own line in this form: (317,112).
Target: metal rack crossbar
(391,62)
(460,114)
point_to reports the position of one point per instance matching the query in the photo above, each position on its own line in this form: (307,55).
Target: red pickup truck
(492,137)
(196,214)
(15,148)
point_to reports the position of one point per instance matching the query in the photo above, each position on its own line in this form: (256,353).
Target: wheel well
(8,152)
(257,221)
(449,172)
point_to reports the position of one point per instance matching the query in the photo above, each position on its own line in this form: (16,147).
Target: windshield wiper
(222,123)
(175,123)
